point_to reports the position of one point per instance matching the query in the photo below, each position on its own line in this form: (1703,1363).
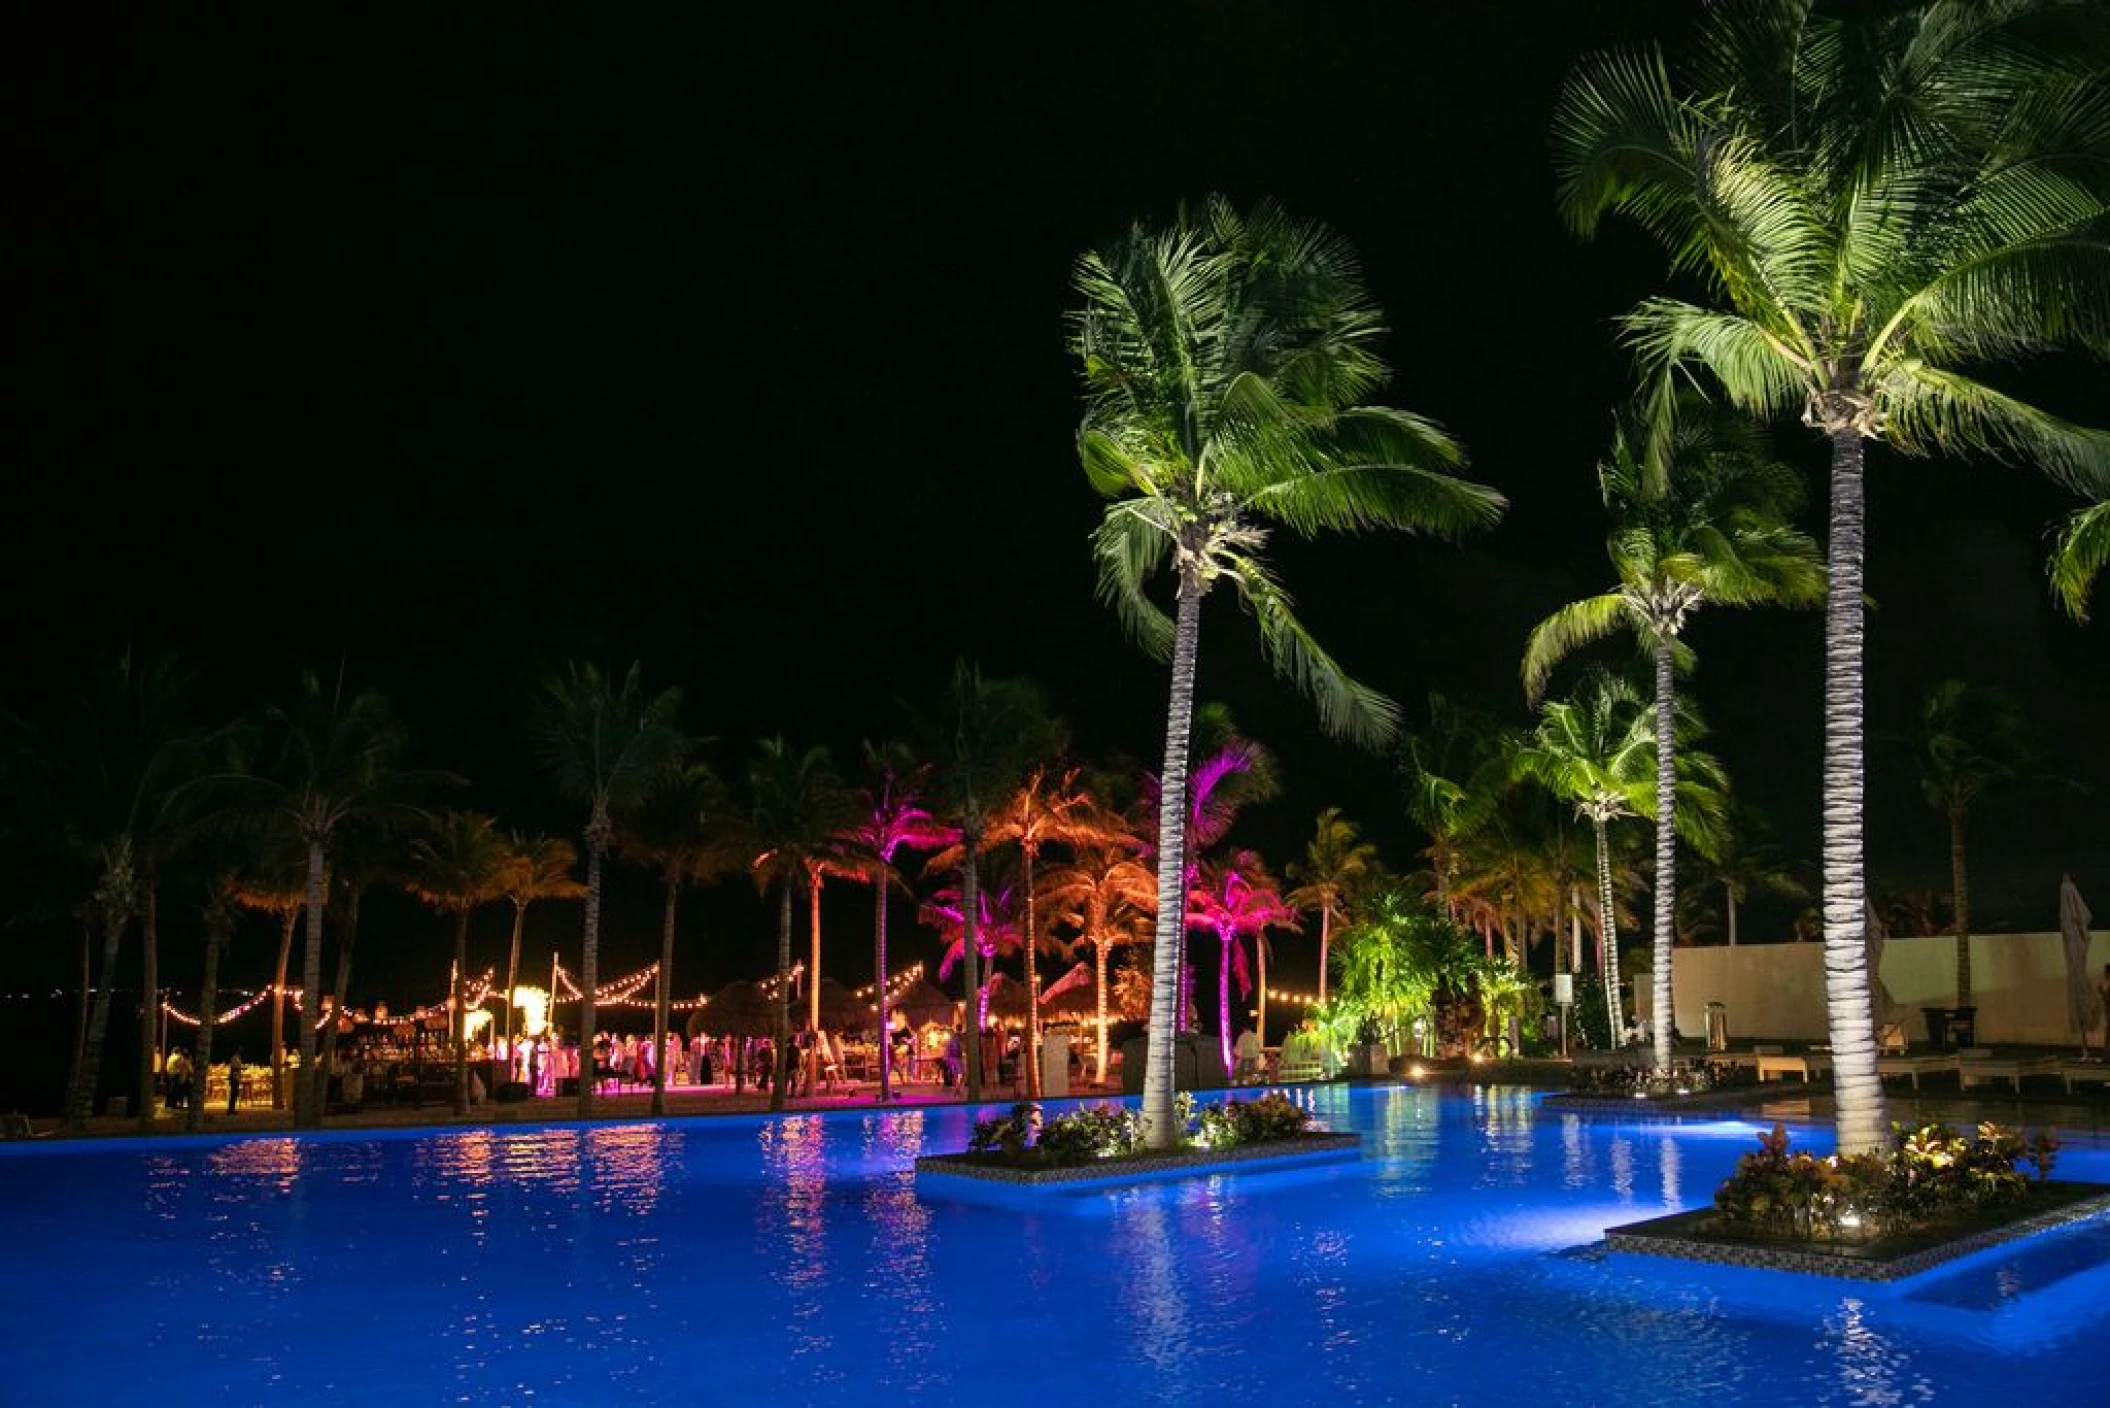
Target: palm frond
(1349,711)
(2083,547)
(1931,409)
(1132,541)
(1578,624)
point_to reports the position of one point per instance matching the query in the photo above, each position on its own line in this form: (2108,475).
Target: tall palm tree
(1713,530)
(605,743)
(989,734)
(332,761)
(537,868)
(1102,893)
(2083,547)
(995,932)
(1597,751)
(1225,358)
(1236,899)
(797,806)
(893,818)
(219,916)
(1336,858)
(1971,741)
(686,829)
(1875,199)
(1455,770)
(457,865)
(275,882)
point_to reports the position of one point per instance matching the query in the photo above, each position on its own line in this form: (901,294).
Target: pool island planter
(1137,1168)
(1688,1236)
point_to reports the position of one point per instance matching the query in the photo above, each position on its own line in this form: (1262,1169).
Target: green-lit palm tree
(1714,531)
(537,868)
(1455,770)
(990,733)
(893,818)
(1972,740)
(2083,547)
(1875,200)
(1597,751)
(455,866)
(1335,859)
(796,808)
(606,743)
(1225,360)
(686,829)
(332,760)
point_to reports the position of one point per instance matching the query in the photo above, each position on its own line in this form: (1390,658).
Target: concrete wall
(1777,990)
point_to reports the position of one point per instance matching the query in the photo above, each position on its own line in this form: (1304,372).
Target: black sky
(456,343)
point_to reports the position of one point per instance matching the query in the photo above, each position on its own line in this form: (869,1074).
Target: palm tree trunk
(347,939)
(1863,1116)
(1032,985)
(879,980)
(149,1001)
(80,1103)
(1161,1129)
(513,970)
(1100,947)
(307,1110)
(288,923)
(461,1011)
(80,1014)
(597,831)
(971,956)
(1325,944)
(218,920)
(1729,900)
(813,980)
(1224,942)
(1666,852)
(1608,933)
(659,1001)
(780,1016)
(1959,888)
(1260,961)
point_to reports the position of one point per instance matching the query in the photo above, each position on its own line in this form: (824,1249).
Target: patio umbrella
(738,1009)
(922,1004)
(2084,1007)
(1074,994)
(843,1010)
(1007,998)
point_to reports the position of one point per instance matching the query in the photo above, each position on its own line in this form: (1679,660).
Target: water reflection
(900,1251)
(791,1228)
(1154,1295)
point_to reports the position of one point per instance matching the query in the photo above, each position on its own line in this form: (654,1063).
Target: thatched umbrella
(922,1004)
(1007,998)
(843,1010)
(738,1009)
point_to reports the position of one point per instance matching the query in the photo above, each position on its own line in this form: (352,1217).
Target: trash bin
(1717,1027)
(1963,1027)
(1054,1065)
(1937,1027)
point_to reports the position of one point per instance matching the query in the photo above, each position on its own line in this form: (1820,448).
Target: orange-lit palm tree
(1107,896)
(276,883)
(537,868)
(457,865)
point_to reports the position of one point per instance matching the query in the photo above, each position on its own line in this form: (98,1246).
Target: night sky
(453,345)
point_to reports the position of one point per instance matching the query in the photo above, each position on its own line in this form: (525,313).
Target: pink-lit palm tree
(894,819)
(1236,899)
(997,934)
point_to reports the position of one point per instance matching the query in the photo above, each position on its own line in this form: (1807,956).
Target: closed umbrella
(2084,1006)
(1882,1006)
(1074,994)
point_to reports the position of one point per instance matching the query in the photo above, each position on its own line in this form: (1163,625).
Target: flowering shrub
(1090,1132)
(1658,1082)
(1932,1177)
(1093,1132)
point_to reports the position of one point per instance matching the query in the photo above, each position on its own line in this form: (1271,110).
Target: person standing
(234,1080)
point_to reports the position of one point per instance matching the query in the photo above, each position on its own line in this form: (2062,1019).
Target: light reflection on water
(796,1261)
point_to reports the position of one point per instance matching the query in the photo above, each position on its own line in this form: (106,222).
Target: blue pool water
(787,1262)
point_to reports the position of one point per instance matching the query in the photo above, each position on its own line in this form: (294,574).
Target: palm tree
(1455,771)
(1875,198)
(796,808)
(893,817)
(684,828)
(1224,358)
(2082,549)
(990,734)
(995,932)
(1335,859)
(1597,751)
(275,882)
(1971,741)
(1744,859)
(219,917)
(332,761)
(1237,899)
(1103,893)
(1713,530)
(537,868)
(456,866)
(606,743)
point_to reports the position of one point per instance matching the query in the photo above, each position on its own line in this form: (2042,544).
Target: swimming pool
(786,1262)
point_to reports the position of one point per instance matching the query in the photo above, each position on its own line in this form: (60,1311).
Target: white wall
(1777,990)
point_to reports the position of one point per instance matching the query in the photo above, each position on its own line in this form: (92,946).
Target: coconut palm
(2082,549)
(1224,360)
(1971,741)
(537,868)
(994,933)
(605,743)
(1237,899)
(275,882)
(1597,751)
(218,916)
(686,829)
(1876,199)
(1745,860)
(894,818)
(990,733)
(457,865)
(796,808)
(1335,859)
(332,760)
(1713,530)
(1107,896)
(1456,771)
